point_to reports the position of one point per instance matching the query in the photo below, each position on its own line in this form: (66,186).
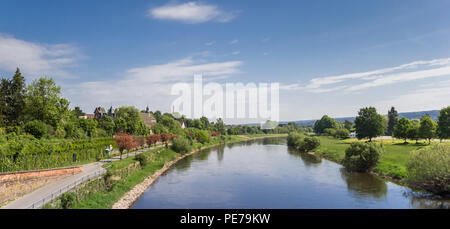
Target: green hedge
(24,152)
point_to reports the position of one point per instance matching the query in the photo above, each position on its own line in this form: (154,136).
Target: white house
(352,135)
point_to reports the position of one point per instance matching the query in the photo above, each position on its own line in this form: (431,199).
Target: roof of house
(100,110)
(148,118)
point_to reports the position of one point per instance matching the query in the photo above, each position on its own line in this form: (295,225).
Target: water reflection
(363,185)
(308,159)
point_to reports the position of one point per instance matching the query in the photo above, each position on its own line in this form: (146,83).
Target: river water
(265,173)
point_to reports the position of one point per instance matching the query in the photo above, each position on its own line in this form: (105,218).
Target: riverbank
(126,174)
(391,166)
(133,195)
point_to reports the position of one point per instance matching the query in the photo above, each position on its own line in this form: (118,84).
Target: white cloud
(209,43)
(36,60)
(407,72)
(235,41)
(191,12)
(149,85)
(236,52)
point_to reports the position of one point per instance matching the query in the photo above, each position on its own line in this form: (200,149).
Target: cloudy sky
(330,57)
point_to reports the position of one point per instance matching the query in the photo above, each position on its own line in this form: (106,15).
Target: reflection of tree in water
(427,201)
(220,152)
(308,159)
(364,184)
(183,164)
(203,154)
(274,141)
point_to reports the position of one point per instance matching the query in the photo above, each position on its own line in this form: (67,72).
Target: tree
(324,123)
(89,126)
(129,121)
(205,122)
(153,139)
(124,142)
(427,128)
(402,128)
(443,128)
(12,102)
(413,131)
(393,120)
(220,126)
(44,102)
(342,133)
(368,123)
(77,112)
(348,125)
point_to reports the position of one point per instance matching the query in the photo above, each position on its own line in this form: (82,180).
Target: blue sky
(330,57)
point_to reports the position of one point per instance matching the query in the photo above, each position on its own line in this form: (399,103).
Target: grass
(392,163)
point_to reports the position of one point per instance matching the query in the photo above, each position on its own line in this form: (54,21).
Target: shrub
(429,168)
(142,159)
(308,144)
(181,145)
(362,157)
(342,133)
(153,139)
(330,131)
(109,182)
(202,136)
(294,139)
(13,129)
(36,128)
(67,200)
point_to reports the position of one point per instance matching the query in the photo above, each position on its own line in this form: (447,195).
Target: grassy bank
(392,163)
(127,174)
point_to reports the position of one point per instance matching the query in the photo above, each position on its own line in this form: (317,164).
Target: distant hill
(409,115)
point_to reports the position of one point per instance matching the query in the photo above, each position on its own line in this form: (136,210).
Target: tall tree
(324,123)
(443,129)
(427,128)
(393,120)
(402,128)
(77,112)
(44,102)
(12,100)
(348,125)
(369,123)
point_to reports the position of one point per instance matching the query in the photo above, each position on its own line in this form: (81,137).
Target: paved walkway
(47,193)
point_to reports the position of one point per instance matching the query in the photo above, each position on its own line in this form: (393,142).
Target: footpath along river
(265,173)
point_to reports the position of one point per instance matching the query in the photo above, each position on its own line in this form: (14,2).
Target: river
(265,173)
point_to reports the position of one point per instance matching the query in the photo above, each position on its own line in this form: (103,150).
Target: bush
(67,200)
(330,131)
(362,157)
(308,144)
(13,129)
(181,145)
(109,182)
(36,128)
(429,168)
(294,139)
(142,159)
(202,136)
(342,133)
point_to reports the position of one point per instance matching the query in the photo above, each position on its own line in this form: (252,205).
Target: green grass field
(392,163)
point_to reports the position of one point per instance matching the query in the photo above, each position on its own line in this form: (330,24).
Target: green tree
(12,101)
(369,123)
(77,112)
(89,126)
(413,131)
(348,125)
(44,102)
(129,121)
(393,120)
(205,122)
(427,128)
(402,128)
(443,129)
(220,126)
(324,123)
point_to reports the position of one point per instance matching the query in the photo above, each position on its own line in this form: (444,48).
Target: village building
(99,112)
(148,118)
